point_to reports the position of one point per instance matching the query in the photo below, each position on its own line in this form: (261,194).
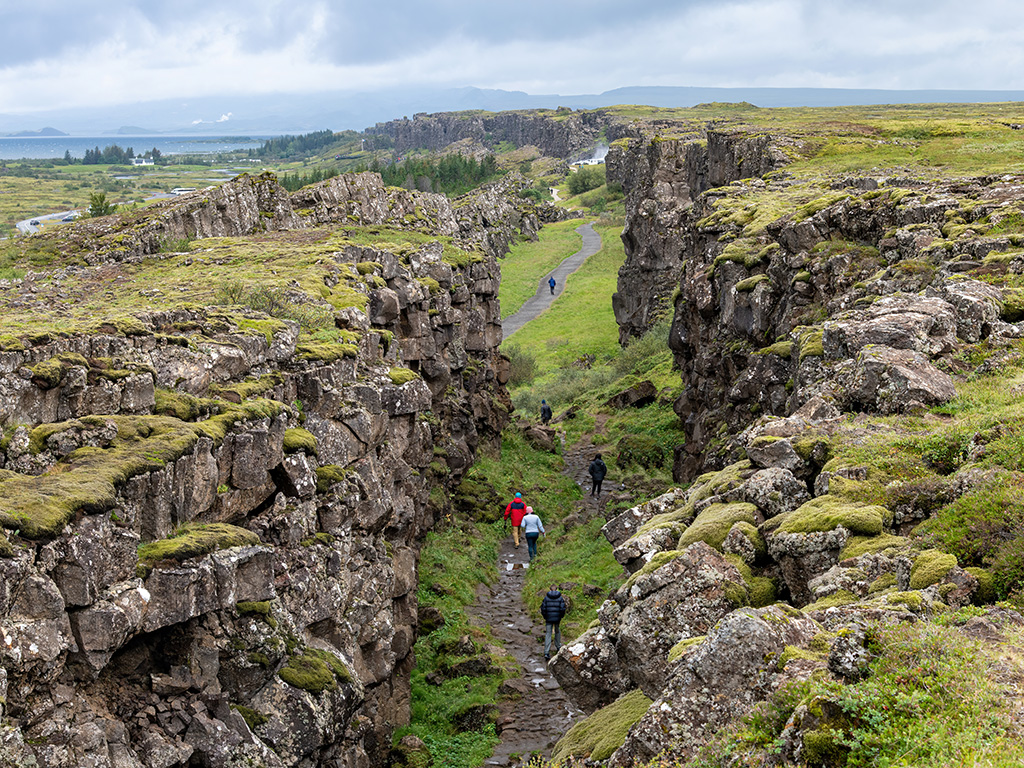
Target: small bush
(640,450)
(522,365)
(586,178)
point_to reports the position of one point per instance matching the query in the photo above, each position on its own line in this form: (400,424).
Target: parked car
(70,217)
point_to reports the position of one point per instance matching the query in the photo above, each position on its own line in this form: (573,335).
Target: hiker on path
(532,528)
(551,284)
(514,512)
(552,608)
(545,412)
(597,470)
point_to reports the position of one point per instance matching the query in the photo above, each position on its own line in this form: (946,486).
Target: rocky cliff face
(560,133)
(788,288)
(661,179)
(809,310)
(213,513)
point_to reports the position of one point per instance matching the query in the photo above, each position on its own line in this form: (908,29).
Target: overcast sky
(66,53)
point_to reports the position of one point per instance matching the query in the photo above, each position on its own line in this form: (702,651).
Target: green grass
(529,262)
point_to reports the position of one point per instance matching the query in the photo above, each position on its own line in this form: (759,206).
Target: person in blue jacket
(551,284)
(533,528)
(552,608)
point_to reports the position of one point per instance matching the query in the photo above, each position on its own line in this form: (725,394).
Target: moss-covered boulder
(826,513)
(713,524)
(603,732)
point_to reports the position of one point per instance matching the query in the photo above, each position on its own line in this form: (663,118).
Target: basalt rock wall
(661,179)
(784,289)
(559,134)
(489,217)
(281,489)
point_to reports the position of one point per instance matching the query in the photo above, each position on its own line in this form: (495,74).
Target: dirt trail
(533,723)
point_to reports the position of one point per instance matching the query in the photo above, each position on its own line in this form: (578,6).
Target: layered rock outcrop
(787,288)
(560,133)
(212,514)
(661,178)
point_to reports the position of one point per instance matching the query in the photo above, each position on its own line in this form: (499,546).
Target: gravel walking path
(543,298)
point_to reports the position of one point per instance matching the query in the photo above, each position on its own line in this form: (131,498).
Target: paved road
(543,298)
(26,227)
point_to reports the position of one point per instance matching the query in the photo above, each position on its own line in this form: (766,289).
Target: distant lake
(46,147)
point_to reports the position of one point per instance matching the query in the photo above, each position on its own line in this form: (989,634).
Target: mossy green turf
(526,264)
(315,671)
(602,732)
(712,525)
(195,540)
(825,513)
(86,481)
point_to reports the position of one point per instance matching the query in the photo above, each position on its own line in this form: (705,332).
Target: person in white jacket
(532,528)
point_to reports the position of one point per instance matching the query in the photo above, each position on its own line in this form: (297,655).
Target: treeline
(112,155)
(451,175)
(294,181)
(307,143)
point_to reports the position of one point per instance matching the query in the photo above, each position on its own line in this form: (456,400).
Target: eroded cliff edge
(219,460)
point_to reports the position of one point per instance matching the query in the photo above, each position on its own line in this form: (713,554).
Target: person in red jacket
(514,512)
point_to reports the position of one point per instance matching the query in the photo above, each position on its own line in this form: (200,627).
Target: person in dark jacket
(545,412)
(597,472)
(552,608)
(514,512)
(551,284)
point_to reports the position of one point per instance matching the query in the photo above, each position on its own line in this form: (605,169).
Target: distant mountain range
(41,132)
(276,114)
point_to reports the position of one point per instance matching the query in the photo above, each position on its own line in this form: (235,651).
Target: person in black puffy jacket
(552,608)
(598,469)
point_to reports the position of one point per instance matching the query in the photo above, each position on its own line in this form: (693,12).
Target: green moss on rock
(328,475)
(869,545)
(402,376)
(252,718)
(196,540)
(783,349)
(604,731)
(911,600)
(712,525)
(749,530)
(930,567)
(298,440)
(676,651)
(824,746)
(325,351)
(315,671)
(986,592)
(761,590)
(811,344)
(746,286)
(826,513)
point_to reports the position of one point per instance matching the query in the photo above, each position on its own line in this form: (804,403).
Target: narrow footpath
(543,298)
(539,713)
